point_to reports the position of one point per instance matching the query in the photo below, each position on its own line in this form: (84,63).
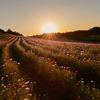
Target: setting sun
(49,28)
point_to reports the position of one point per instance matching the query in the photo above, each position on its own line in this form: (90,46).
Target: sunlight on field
(39,69)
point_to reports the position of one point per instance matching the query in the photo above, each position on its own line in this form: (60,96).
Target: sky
(29,16)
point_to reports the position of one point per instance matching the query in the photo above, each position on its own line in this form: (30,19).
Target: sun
(49,28)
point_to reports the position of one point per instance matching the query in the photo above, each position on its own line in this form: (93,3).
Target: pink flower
(88,83)
(27,82)
(18,63)
(70,96)
(34,82)
(79,81)
(91,81)
(19,79)
(11,59)
(4,86)
(23,85)
(14,73)
(82,81)
(25,99)
(27,88)
(30,94)
(17,90)
(78,97)
(67,67)
(22,82)
(64,70)
(11,74)
(6,75)
(8,86)
(2,78)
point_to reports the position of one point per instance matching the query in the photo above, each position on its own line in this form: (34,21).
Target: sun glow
(49,28)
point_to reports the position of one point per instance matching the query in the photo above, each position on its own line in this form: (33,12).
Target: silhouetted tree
(91,34)
(2,31)
(13,33)
(9,31)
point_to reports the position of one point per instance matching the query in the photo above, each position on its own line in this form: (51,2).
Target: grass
(3,36)
(49,70)
(77,62)
(13,86)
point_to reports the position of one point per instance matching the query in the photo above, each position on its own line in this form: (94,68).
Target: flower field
(39,69)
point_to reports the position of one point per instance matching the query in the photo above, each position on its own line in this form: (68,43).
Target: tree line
(92,34)
(9,31)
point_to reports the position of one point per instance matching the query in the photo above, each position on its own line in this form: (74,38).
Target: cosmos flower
(78,97)
(27,88)
(26,99)
(30,94)
(27,82)
(2,78)
(19,79)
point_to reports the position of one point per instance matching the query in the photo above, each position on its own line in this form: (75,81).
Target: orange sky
(29,16)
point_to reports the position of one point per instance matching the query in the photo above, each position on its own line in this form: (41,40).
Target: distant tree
(9,31)
(81,35)
(95,30)
(2,31)
(14,33)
